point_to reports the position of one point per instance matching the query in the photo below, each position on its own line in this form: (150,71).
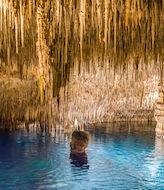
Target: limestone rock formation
(79,142)
(159,111)
(96,61)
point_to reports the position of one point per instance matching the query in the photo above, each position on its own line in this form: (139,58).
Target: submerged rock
(79,141)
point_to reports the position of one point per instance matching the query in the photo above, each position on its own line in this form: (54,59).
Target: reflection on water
(54,51)
(79,160)
(154,164)
(114,159)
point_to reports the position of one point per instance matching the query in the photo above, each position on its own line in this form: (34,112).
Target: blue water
(113,160)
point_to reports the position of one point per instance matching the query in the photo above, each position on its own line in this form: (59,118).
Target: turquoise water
(115,159)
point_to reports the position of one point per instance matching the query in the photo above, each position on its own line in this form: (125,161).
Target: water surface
(125,156)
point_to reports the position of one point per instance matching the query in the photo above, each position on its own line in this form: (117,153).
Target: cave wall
(94,61)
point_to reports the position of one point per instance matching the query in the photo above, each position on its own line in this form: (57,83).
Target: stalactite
(81,18)
(1,7)
(139,11)
(127,8)
(109,31)
(30,8)
(67,24)
(34,2)
(16,33)
(57,11)
(115,27)
(133,10)
(152,31)
(60,19)
(93,12)
(9,36)
(10,13)
(99,18)
(13,18)
(4,10)
(42,48)
(106,24)
(22,24)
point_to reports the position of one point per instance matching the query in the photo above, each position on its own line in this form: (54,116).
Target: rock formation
(159,111)
(79,142)
(97,61)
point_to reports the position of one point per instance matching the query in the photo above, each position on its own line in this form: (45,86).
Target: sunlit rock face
(93,61)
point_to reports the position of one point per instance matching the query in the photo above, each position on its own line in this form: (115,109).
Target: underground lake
(119,156)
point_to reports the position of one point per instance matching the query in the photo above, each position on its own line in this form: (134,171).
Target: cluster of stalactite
(18,36)
(104,94)
(53,42)
(81,30)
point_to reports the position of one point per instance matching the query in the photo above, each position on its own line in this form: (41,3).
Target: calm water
(115,159)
